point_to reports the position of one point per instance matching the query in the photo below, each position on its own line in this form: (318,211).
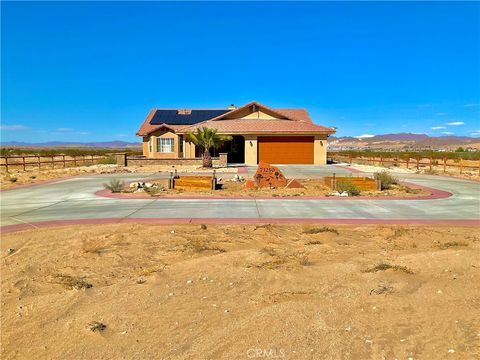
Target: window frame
(161,147)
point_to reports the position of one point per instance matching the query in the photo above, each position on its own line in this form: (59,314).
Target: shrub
(114,185)
(349,187)
(107,160)
(13,179)
(386,179)
(320,230)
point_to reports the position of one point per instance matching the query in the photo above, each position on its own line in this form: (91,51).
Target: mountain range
(403,141)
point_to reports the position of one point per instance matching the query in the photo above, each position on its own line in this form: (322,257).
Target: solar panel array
(172,117)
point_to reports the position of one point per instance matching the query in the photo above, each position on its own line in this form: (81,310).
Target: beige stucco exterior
(251,145)
(251,148)
(320,150)
(154,154)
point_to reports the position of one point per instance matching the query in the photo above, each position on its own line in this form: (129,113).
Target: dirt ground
(241,292)
(34,175)
(312,187)
(467,173)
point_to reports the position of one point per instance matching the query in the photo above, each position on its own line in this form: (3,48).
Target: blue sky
(79,71)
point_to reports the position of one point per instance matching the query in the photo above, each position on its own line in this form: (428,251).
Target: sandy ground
(241,292)
(468,173)
(312,187)
(33,175)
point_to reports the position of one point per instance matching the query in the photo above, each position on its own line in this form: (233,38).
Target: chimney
(232,107)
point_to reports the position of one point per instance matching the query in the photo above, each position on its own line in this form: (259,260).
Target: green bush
(114,185)
(386,179)
(107,160)
(349,187)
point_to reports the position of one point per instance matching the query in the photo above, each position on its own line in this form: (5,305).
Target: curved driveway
(74,199)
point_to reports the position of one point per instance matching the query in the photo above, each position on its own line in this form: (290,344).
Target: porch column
(251,155)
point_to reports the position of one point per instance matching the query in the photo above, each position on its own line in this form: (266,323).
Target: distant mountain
(100,144)
(403,141)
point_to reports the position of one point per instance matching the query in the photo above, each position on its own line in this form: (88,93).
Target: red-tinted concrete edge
(55,223)
(434,194)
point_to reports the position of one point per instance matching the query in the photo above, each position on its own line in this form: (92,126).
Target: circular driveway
(74,201)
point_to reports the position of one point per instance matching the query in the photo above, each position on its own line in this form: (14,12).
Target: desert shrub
(386,179)
(430,171)
(107,160)
(349,187)
(72,282)
(114,185)
(96,326)
(385,266)
(450,244)
(13,179)
(318,230)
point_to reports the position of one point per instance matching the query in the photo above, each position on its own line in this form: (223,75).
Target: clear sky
(79,71)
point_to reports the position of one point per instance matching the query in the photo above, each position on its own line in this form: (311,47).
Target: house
(276,136)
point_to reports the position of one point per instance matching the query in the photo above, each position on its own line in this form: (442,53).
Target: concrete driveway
(74,199)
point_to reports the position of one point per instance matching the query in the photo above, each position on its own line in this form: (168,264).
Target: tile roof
(293,120)
(256,126)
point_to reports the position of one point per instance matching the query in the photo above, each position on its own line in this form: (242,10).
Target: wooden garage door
(286,149)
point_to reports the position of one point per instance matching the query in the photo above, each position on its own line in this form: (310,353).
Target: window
(150,145)
(165,145)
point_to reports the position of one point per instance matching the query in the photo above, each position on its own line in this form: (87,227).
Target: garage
(286,149)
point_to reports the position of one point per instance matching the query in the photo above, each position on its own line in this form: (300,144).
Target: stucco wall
(250,149)
(320,150)
(155,154)
(124,160)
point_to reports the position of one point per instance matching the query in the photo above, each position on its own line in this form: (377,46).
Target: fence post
(334,182)
(64,164)
(381,160)
(23,158)
(6,164)
(408,161)
(92,160)
(418,160)
(74,161)
(461,166)
(430,164)
(53,162)
(39,162)
(444,165)
(350,159)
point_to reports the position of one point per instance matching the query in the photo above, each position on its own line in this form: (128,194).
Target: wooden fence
(410,163)
(22,162)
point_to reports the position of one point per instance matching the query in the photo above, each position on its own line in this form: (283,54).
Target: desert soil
(467,173)
(312,187)
(241,292)
(32,175)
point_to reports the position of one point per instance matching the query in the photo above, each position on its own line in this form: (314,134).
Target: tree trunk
(207,159)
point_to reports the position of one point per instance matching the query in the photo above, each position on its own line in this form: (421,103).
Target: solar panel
(172,117)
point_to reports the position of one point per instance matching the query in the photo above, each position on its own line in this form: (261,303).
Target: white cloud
(64,129)
(14,127)
(455,123)
(82,133)
(470,105)
(440,114)
(447,133)
(364,136)
(437,127)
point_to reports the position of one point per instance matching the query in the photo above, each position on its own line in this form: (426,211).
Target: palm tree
(207,138)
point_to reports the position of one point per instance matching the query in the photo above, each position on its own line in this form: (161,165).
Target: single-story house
(276,136)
